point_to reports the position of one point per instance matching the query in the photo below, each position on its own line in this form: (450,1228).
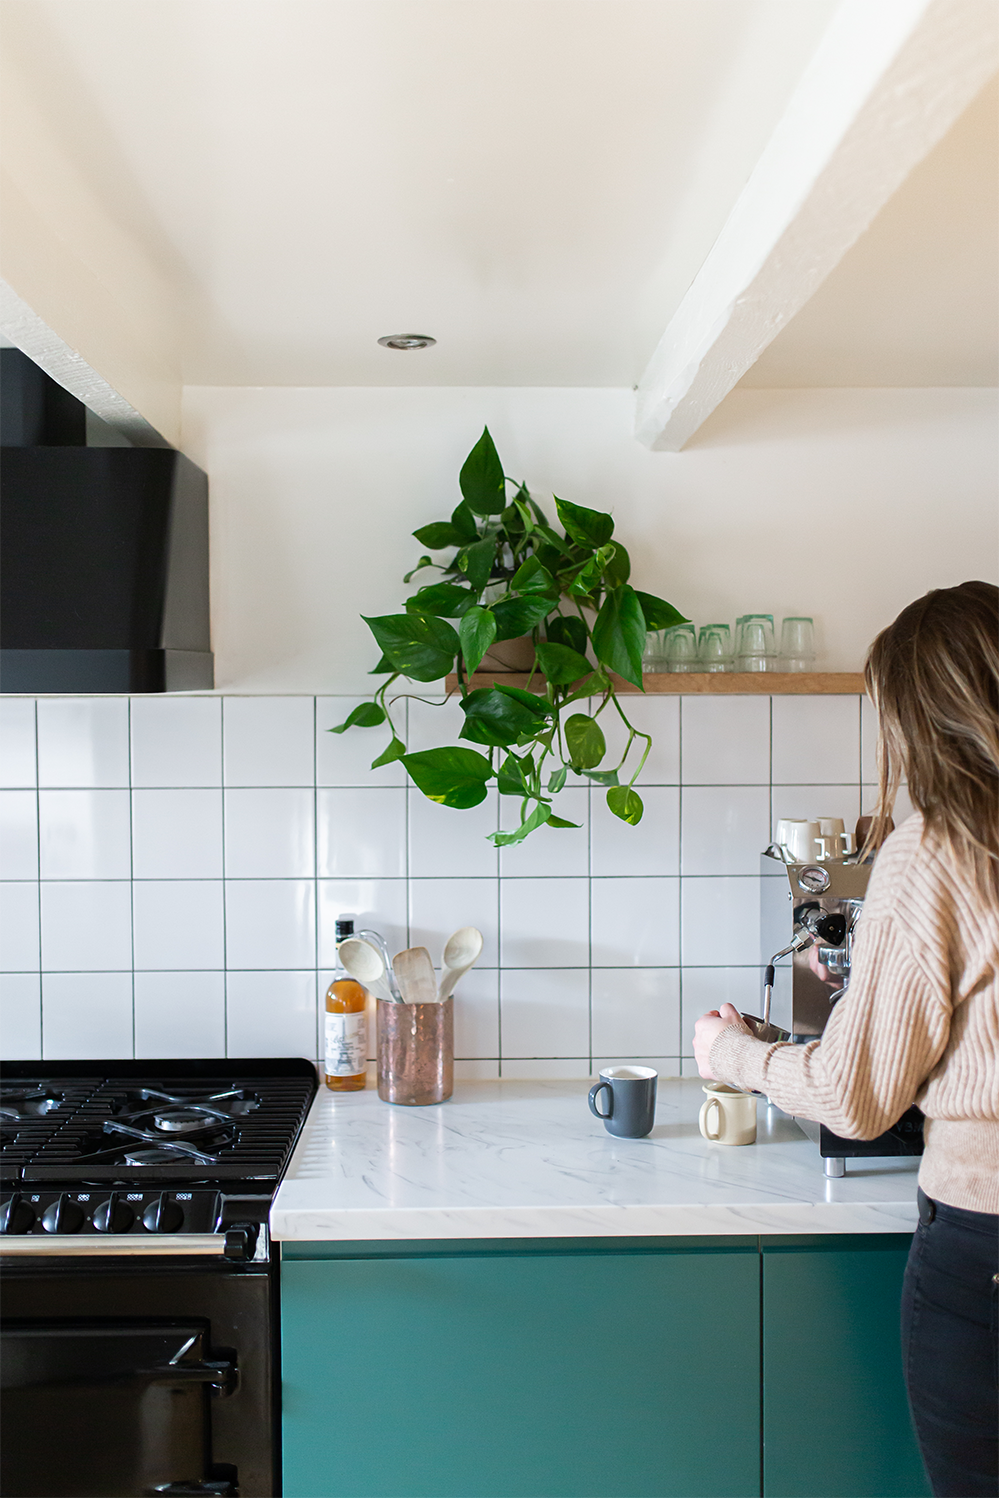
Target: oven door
(101,1409)
(125,1379)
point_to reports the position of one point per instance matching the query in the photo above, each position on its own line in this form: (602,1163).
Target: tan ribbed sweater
(919,1023)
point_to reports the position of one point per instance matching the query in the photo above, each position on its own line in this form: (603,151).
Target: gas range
(138,1157)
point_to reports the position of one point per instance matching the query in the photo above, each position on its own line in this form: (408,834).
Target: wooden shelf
(708,683)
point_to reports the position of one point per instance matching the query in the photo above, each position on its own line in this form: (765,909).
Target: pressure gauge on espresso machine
(814,879)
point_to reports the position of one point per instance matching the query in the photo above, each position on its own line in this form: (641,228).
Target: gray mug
(631,1100)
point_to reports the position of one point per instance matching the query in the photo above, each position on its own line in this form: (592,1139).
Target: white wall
(842,504)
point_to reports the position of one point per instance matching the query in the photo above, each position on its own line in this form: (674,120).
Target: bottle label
(346,1044)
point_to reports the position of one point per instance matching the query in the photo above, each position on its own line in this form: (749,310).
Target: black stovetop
(133,1123)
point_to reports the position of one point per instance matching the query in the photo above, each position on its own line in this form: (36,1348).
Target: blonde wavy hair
(933,677)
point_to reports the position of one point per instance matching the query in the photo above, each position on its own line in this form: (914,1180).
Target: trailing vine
(509,575)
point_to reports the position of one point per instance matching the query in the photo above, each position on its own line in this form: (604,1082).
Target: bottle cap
(344,927)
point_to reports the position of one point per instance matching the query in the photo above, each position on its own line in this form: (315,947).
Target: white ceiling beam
(887,81)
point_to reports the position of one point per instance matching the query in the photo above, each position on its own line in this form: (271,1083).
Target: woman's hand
(706,1032)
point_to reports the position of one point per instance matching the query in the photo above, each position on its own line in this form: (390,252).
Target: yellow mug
(728,1116)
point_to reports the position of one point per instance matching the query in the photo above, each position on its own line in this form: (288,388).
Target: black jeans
(950,1348)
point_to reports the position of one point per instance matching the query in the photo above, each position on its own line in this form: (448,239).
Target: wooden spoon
(461,952)
(414,973)
(363,962)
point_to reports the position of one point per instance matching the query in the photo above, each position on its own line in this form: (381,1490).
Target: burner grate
(111,1124)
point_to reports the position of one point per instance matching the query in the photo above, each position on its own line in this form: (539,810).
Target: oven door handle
(120,1245)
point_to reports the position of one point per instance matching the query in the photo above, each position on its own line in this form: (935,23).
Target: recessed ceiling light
(407,340)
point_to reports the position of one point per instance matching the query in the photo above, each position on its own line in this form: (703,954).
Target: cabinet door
(523,1376)
(835,1417)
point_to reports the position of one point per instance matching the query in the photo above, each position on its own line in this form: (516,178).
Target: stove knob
(63,1216)
(16,1216)
(113,1216)
(163,1215)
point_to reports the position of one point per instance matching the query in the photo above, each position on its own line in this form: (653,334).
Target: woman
(919,1022)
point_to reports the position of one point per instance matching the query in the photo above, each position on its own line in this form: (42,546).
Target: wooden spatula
(414,973)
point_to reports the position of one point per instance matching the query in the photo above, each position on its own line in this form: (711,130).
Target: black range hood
(103,553)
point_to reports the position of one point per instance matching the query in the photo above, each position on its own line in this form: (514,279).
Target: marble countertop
(527,1160)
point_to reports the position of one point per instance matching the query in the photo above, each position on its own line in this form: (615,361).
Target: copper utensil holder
(415,1052)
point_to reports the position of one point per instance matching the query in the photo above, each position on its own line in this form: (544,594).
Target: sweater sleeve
(882,1040)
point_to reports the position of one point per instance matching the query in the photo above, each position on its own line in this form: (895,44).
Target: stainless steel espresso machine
(806,905)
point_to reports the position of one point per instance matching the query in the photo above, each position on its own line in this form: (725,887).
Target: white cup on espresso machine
(800,839)
(834,840)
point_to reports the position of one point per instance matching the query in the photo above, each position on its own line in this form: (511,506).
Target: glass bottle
(346,1024)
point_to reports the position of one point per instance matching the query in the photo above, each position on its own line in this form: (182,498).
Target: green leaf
(417,646)
(451,776)
(590,686)
(658,613)
(619,633)
(518,616)
(554,821)
(365,715)
(560,664)
(464,523)
(532,577)
(537,818)
(510,780)
(601,777)
(445,600)
(591,574)
(531,700)
(477,631)
(481,479)
(495,716)
(566,629)
(618,569)
(439,534)
(423,562)
(476,562)
(395,750)
(384,664)
(588,527)
(625,803)
(585,741)
(557,781)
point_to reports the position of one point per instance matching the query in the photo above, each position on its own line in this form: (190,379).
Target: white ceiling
(534,182)
(916,300)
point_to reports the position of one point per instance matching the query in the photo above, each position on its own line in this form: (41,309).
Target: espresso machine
(817,905)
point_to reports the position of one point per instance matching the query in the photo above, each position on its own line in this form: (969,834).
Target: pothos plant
(511,574)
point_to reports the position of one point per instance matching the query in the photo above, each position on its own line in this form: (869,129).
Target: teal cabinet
(835,1418)
(523,1374)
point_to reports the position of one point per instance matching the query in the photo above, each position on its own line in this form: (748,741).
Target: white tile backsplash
(180,1014)
(178,923)
(87,926)
(84,835)
(19,944)
(636,1011)
(177,834)
(652,847)
(362,833)
(18,835)
(83,741)
(816,740)
(544,923)
(87,1016)
(658,716)
(176,741)
(268,740)
(270,833)
(635,922)
(270,923)
(21,1016)
(720,921)
(345,758)
(545,1012)
(169,929)
(439,906)
(726,740)
(271,1014)
(445,843)
(18,763)
(724,828)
